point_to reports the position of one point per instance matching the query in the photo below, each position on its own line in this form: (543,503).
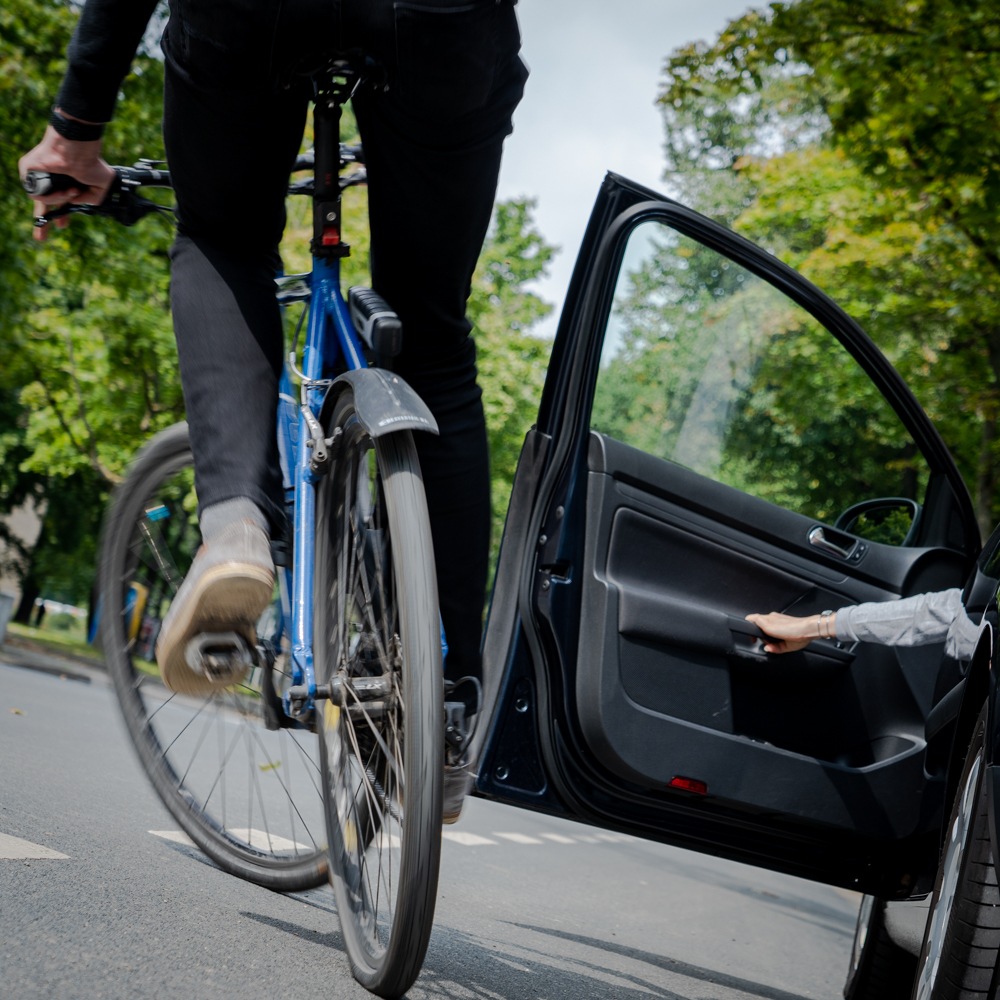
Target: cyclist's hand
(80,160)
(786,633)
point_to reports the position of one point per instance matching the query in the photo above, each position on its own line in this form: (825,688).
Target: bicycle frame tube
(331,345)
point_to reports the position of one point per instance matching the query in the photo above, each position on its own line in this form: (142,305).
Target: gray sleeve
(913,621)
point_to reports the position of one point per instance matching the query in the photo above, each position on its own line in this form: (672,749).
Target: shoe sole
(228,598)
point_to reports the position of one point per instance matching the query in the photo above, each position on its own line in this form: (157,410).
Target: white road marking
(264,841)
(467,839)
(519,838)
(256,838)
(174,836)
(463,838)
(15,849)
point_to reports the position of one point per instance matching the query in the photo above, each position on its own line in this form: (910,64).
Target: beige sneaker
(228,586)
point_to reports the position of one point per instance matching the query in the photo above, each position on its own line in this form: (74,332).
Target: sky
(589,107)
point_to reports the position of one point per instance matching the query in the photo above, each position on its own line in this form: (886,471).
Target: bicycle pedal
(219,656)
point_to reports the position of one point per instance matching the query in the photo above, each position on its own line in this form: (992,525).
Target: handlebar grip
(39,183)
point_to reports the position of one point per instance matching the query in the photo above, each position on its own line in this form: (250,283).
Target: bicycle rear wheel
(249,797)
(377,643)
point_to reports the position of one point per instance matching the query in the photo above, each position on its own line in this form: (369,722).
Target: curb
(18,652)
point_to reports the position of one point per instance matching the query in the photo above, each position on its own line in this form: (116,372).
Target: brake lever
(127,207)
(121,204)
(41,221)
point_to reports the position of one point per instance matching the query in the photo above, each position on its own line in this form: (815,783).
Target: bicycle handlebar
(125,205)
(122,203)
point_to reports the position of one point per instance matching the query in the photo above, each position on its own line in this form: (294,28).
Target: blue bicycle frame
(298,427)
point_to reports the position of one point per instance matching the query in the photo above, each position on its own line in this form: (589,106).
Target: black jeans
(233,124)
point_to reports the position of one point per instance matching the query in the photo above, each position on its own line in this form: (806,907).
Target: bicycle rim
(249,797)
(382,737)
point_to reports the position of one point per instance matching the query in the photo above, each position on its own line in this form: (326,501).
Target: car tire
(959,954)
(880,969)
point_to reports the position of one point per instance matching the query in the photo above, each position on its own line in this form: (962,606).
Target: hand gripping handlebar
(122,202)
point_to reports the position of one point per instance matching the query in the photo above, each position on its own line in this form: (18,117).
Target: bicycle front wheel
(248,796)
(378,648)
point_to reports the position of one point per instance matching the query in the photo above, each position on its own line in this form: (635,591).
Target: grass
(72,640)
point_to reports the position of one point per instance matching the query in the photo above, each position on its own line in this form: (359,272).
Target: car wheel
(880,968)
(962,939)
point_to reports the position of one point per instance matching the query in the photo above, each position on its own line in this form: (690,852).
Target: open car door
(716,437)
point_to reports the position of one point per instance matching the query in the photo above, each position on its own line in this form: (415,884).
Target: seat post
(334,89)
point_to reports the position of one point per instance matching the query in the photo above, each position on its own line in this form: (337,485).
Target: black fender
(383,401)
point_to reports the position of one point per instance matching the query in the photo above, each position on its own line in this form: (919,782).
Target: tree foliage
(511,360)
(709,367)
(860,142)
(84,315)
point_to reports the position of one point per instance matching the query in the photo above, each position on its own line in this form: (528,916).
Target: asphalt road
(98,899)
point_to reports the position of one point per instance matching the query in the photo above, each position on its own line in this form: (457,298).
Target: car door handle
(819,537)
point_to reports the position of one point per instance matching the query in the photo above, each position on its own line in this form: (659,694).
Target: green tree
(512,360)
(86,360)
(866,153)
(34,36)
(713,368)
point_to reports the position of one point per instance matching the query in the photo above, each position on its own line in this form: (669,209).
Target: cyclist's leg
(230,138)
(433,143)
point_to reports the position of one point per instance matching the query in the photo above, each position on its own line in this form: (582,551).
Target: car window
(709,366)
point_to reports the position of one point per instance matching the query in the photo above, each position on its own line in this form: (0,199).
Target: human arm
(100,54)
(912,621)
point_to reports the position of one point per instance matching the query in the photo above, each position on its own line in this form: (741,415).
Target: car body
(717,437)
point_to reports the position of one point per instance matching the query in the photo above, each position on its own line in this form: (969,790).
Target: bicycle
(350,651)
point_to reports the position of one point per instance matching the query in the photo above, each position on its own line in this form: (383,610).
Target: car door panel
(626,686)
(677,684)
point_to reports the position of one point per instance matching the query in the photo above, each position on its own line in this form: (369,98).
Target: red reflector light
(689,785)
(331,236)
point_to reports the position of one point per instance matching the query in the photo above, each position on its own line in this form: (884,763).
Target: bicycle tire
(247,796)
(377,622)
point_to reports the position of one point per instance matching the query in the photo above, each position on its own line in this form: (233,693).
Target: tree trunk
(29,592)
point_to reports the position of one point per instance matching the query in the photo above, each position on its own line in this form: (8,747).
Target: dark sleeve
(100,55)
